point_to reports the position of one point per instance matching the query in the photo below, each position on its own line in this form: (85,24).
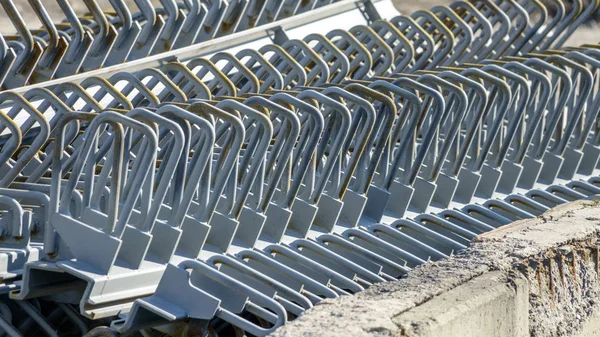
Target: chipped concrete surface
(568,232)
(564,290)
(492,305)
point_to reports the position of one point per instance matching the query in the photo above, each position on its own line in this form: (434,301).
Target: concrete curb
(488,305)
(536,277)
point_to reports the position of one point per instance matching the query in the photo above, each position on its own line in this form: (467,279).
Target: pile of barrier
(102,38)
(226,195)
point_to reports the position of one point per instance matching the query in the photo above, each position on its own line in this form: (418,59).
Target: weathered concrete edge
(391,309)
(488,305)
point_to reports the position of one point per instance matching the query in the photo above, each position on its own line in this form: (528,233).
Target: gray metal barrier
(227,195)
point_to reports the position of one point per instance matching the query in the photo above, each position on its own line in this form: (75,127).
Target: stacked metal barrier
(223,196)
(101,39)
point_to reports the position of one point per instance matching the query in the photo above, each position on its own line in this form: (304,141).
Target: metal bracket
(369,11)
(278,35)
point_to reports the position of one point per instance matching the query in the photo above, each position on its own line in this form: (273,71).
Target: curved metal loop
(359,131)
(156,194)
(563,28)
(142,96)
(333,279)
(436,107)
(293,73)
(381,54)
(382,129)
(311,287)
(497,18)
(583,80)
(173,25)
(335,115)
(480,27)
(265,72)
(420,39)
(25,233)
(106,95)
(462,32)
(532,33)
(196,88)
(519,19)
(478,102)
(543,84)
(217,82)
(361,61)
(259,132)
(194,21)
(14,140)
(153,79)
(275,314)
(74,95)
(116,217)
(151,30)
(556,111)
(557,7)
(339,65)
(406,121)
(79,44)
(29,56)
(104,40)
(197,167)
(452,130)
(404,52)
(442,37)
(52,105)
(313,124)
(55,49)
(517,115)
(495,113)
(214,18)
(20,104)
(237,73)
(126,36)
(283,145)
(293,301)
(227,160)
(583,17)
(593,107)
(317,69)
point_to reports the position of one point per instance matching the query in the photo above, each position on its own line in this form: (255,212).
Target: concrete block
(489,305)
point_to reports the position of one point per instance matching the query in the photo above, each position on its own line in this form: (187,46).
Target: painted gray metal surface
(230,193)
